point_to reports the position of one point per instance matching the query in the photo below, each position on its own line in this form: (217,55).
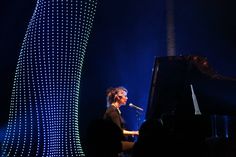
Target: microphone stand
(138,116)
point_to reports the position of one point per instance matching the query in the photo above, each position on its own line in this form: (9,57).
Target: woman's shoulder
(111,109)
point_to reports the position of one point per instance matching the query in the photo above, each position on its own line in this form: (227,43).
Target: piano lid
(180,82)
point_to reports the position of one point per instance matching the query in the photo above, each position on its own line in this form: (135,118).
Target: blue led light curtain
(44,109)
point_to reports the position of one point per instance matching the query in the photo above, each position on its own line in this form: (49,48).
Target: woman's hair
(112,94)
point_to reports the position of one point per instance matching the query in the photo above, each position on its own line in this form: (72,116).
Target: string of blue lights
(44,110)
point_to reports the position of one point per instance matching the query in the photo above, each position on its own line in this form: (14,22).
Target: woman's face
(122,97)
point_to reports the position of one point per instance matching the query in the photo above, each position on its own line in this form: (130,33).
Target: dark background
(126,36)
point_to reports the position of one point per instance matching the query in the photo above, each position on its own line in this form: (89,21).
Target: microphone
(136,107)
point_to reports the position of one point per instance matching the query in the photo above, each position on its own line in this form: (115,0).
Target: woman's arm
(133,133)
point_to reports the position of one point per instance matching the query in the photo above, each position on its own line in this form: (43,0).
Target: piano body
(192,101)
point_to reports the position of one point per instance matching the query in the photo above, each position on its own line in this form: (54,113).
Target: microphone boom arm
(136,107)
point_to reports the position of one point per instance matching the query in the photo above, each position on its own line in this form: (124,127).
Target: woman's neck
(115,104)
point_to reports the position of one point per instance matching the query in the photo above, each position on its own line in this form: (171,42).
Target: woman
(117,97)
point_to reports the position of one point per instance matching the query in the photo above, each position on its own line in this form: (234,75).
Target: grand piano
(192,101)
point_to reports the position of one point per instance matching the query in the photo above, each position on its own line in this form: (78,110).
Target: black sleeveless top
(112,114)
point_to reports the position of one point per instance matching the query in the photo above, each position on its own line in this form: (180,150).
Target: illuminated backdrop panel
(44,110)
